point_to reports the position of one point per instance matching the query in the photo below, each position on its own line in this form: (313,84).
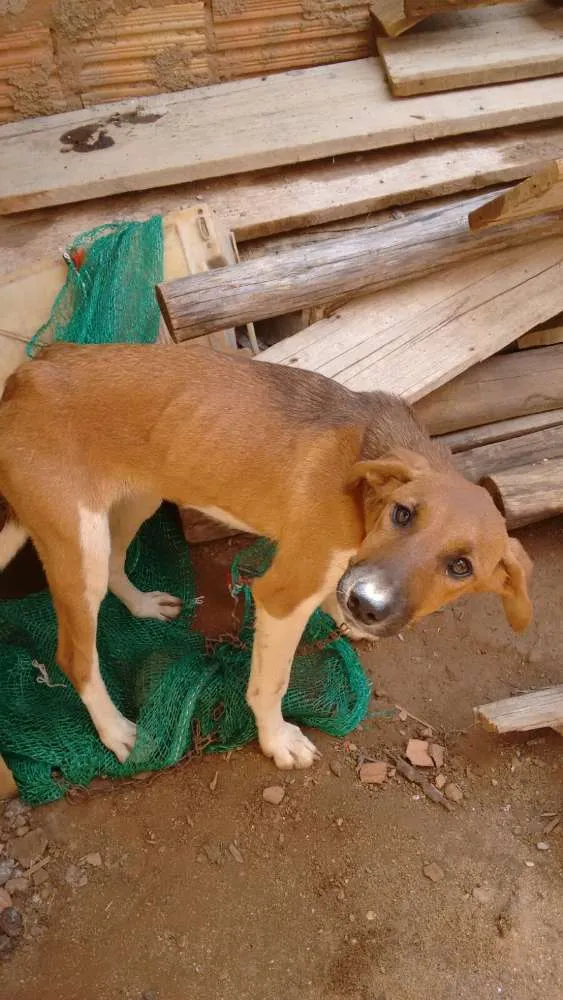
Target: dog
(371,519)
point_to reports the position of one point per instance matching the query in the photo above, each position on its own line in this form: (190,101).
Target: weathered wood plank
(518,48)
(413,338)
(528,449)
(536,710)
(503,387)
(259,204)
(502,430)
(280,119)
(390,15)
(361,260)
(538,194)
(528,493)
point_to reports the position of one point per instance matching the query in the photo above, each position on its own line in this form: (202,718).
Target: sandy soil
(328,898)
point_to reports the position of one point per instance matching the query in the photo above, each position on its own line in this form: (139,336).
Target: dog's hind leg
(126,517)
(284,602)
(76,561)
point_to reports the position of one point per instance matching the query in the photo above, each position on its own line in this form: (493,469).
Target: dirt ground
(206,892)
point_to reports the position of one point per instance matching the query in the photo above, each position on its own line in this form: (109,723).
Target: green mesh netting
(185,694)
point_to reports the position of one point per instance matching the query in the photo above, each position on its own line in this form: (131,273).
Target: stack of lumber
(418,302)
(455,301)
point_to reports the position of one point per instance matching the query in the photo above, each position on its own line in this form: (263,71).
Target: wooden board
(275,120)
(503,387)
(538,194)
(489,459)
(518,48)
(422,8)
(335,268)
(536,710)
(413,338)
(526,494)
(501,430)
(259,204)
(390,15)
(541,338)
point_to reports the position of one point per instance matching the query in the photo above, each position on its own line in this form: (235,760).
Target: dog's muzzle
(371,601)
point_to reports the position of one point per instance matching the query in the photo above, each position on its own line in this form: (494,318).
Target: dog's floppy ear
(399,466)
(511,578)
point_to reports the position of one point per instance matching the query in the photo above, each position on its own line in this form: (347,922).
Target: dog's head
(430,537)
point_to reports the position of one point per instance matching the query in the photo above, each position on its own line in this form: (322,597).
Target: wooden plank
(528,493)
(538,194)
(422,8)
(390,15)
(541,338)
(489,459)
(518,48)
(414,338)
(359,260)
(259,204)
(501,430)
(284,118)
(507,386)
(536,710)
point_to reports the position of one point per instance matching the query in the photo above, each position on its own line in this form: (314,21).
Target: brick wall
(56,55)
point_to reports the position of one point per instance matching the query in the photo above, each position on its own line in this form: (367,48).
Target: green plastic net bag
(185,693)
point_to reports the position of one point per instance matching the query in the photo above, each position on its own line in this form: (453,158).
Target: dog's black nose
(370,604)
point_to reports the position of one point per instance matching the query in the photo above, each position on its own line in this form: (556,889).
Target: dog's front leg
(283,608)
(275,642)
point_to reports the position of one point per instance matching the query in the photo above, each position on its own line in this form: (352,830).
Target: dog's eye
(459,568)
(401,515)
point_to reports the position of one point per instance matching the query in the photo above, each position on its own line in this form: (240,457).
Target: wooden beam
(520,48)
(536,710)
(410,339)
(535,196)
(501,430)
(510,385)
(390,16)
(490,459)
(280,119)
(358,261)
(528,493)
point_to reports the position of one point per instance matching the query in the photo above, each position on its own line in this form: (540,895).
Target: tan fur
(92,438)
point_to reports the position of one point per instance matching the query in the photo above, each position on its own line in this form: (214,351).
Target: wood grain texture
(360,260)
(538,194)
(284,118)
(267,202)
(535,710)
(390,16)
(541,338)
(501,388)
(501,430)
(489,459)
(413,338)
(518,48)
(527,494)
(423,8)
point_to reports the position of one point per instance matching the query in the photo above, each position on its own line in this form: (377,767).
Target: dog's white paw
(119,736)
(288,747)
(163,607)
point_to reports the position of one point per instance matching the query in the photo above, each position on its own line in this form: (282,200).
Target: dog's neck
(391,424)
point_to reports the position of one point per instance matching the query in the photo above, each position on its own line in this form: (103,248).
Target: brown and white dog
(370,517)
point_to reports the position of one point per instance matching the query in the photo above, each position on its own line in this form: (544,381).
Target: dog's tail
(12,534)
